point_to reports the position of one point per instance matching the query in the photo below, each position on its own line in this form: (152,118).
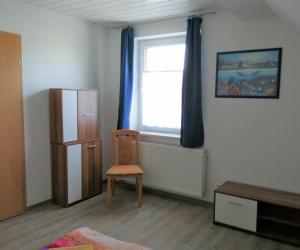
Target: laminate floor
(161,223)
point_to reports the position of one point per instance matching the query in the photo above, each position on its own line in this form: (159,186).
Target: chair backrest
(127,145)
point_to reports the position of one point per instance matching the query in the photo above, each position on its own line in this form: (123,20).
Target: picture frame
(249,73)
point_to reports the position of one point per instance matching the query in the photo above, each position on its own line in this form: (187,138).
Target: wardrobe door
(59,174)
(91,168)
(69,115)
(63,115)
(74,173)
(87,114)
(12,159)
(55,110)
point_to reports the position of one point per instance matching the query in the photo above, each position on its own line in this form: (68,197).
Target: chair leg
(109,192)
(113,186)
(140,190)
(137,185)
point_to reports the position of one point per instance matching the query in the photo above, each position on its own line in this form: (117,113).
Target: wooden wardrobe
(12,159)
(75,146)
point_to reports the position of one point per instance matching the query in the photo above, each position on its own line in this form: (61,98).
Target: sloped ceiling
(248,9)
(287,10)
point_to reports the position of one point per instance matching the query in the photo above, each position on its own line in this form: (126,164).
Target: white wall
(254,141)
(249,140)
(102,70)
(57,51)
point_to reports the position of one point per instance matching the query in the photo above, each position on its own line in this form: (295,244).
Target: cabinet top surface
(78,141)
(262,194)
(51,89)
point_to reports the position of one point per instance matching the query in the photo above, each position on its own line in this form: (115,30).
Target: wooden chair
(127,162)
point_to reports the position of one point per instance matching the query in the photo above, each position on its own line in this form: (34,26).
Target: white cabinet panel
(237,212)
(69,112)
(74,173)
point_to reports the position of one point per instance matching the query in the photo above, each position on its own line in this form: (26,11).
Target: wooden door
(12,159)
(91,168)
(87,114)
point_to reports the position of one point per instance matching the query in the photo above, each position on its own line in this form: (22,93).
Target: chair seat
(124,170)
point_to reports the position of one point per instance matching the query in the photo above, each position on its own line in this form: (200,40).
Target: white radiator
(174,169)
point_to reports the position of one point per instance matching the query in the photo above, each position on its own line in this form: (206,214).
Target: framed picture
(249,73)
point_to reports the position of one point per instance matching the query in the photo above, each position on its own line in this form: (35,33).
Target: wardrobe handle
(86,114)
(92,146)
(236,203)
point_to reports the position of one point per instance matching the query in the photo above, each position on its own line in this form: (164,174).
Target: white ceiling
(130,11)
(248,9)
(287,10)
(120,11)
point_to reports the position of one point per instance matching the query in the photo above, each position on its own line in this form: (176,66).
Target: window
(159,79)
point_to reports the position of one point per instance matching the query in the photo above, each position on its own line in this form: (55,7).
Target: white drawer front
(234,211)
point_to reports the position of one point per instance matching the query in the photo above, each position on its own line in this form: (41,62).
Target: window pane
(165,58)
(161,100)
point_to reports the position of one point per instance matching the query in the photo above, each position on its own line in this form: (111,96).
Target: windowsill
(161,138)
(160,134)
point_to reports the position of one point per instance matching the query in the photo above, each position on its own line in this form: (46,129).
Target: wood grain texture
(55,111)
(277,216)
(127,143)
(91,168)
(12,156)
(86,118)
(121,170)
(128,160)
(87,115)
(59,174)
(125,150)
(80,141)
(260,194)
(139,184)
(161,223)
(91,171)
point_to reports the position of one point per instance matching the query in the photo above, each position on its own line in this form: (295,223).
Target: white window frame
(141,45)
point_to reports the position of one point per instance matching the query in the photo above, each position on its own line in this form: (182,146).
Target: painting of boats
(249,73)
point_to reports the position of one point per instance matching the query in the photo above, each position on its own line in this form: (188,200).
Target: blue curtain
(192,132)
(126,79)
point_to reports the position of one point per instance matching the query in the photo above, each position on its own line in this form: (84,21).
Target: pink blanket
(85,235)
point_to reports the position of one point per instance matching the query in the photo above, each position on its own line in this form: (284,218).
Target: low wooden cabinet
(76,171)
(269,213)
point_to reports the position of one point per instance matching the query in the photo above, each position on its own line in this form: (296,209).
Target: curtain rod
(174,17)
